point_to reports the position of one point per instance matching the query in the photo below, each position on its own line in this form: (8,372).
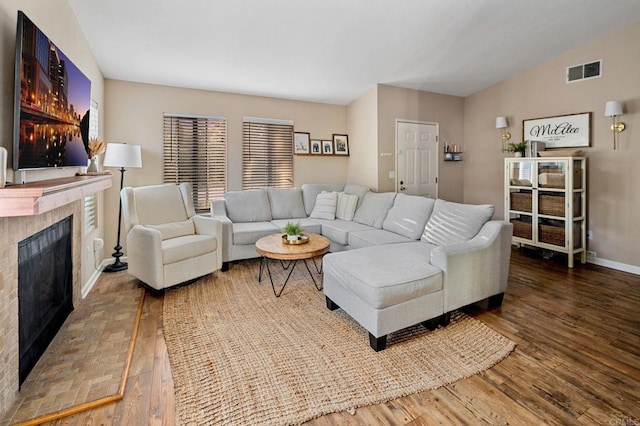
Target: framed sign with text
(561,131)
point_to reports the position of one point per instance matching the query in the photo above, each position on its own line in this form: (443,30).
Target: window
(267,153)
(195,151)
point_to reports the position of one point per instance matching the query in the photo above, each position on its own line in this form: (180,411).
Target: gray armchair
(167,243)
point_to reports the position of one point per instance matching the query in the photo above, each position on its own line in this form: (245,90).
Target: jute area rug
(241,356)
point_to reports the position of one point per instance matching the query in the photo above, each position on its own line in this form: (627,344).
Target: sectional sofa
(396,260)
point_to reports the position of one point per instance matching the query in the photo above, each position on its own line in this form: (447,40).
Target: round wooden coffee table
(272,247)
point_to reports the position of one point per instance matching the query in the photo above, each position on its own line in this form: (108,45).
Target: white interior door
(417,158)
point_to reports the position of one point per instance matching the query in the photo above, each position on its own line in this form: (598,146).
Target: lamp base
(618,127)
(116,266)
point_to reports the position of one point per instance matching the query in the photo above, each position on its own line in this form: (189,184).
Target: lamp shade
(613,108)
(123,155)
(501,122)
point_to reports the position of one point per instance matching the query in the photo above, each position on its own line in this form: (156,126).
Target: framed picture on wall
(341,144)
(327,147)
(316,147)
(301,143)
(561,131)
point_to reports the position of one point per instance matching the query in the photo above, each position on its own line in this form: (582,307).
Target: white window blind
(267,154)
(195,151)
(91,202)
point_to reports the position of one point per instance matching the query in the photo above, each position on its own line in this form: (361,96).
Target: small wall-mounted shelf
(453,156)
(452,152)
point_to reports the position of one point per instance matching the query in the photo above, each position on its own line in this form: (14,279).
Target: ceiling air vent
(584,71)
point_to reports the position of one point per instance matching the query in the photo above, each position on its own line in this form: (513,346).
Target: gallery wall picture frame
(341,144)
(327,147)
(560,131)
(316,147)
(301,143)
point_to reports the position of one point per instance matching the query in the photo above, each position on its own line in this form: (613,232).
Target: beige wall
(613,176)
(362,116)
(448,111)
(133,114)
(56,19)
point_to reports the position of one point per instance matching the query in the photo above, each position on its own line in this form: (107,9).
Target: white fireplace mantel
(34,198)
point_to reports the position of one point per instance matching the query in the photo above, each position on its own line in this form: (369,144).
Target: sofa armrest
(144,252)
(207,225)
(210,226)
(475,269)
(219,212)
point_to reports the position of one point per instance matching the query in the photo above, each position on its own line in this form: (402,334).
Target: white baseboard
(614,265)
(86,288)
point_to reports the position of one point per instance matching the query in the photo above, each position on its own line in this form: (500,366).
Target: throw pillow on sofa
(325,207)
(346,207)
(452,223)
(286,203)
(250,205)
(409,215)
(374,208)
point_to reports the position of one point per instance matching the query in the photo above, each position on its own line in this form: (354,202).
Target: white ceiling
(332,51)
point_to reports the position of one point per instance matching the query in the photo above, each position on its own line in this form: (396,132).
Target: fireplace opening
(45,290)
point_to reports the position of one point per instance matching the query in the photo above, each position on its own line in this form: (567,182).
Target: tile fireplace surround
(59,203)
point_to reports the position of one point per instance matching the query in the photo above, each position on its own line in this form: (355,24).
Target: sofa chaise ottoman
(461,258)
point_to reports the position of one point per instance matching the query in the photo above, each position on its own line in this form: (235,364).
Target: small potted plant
(293,230)
(518,148)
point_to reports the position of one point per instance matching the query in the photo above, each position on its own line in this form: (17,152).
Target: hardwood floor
(577,360)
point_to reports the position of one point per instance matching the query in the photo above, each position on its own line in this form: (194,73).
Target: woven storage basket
(521,201)
(549,179)
(551,235)
(521,229)
(553,205)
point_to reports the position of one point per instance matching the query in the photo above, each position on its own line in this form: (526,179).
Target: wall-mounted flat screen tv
(52,101)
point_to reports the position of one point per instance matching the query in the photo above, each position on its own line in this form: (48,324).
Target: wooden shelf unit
(546,201)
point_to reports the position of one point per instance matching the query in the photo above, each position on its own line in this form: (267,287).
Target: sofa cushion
(325,207)
(311,190)
(358,190)
(374,208)
(385,275)
(286,203)
(452,223)
(175,229)
(248,206)
(375,237)
(308,225)
(338,230)
(250,232)
(187,247)
(346,207)
(157,204)
(409,215)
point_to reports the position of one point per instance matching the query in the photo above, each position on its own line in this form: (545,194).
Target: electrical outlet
(589,235)
(592,254)
(98,243)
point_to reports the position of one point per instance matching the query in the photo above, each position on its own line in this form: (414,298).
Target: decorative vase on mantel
(93,165)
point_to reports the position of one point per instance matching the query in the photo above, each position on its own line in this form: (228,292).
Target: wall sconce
(613,109)
(501,123)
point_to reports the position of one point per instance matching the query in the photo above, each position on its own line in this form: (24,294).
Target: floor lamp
(121,155)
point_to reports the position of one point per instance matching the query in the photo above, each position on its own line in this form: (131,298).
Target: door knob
(402,187)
